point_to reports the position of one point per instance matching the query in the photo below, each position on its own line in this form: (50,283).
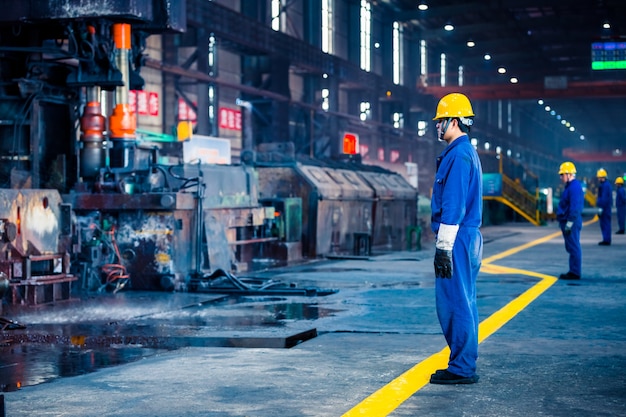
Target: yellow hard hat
(454,105)
(567,168)
(619,180)
(601,173)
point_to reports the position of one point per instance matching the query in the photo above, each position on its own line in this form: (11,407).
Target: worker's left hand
(443,263)
(567,230)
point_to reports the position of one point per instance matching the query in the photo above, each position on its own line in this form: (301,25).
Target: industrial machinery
(86,202)
(347,207)
(82,198)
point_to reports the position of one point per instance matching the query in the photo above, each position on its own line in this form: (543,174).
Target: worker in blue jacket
(569,215)
(620,204)
(456,205)
(604,202)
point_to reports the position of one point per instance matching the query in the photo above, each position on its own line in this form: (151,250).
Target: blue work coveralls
(605,202)
(620,205)
(458,199)
(570,209)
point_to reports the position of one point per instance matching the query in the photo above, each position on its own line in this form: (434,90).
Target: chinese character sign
(143,103)
(229,119)
(185,112)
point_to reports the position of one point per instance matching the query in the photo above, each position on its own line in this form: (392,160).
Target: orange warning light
(350,143)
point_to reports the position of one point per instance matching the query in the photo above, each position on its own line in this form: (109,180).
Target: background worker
(604,202)
(569,215)
(620,204)
(456,206)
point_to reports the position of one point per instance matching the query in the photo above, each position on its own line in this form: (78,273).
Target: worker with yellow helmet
(620,204)
(569,215)
(456,208)
(604,202)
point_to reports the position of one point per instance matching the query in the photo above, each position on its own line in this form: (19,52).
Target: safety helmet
(619,180)
(567,168)
(601,173)
(454,105)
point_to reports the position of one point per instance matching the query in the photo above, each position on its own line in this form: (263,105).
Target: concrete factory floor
(548,347)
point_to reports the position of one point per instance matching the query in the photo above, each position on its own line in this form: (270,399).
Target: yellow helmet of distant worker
(619,180)
(454,105)
(601,173)
(567,168)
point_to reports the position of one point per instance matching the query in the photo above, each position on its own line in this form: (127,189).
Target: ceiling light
(422,6)
(582,137)
(606,25)
(514,80)
(540,101)
(487,57)
(547,108)
(448,27)
(501,70)
(471,44)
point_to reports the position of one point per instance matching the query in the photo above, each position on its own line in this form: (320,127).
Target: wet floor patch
(28,364)
(71,342)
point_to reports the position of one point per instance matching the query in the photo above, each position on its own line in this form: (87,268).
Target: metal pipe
(123,122)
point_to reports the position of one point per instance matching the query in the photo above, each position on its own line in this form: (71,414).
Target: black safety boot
(445,377)
(604,243)
(569,276)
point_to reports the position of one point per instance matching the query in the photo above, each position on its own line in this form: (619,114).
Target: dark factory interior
(174,145)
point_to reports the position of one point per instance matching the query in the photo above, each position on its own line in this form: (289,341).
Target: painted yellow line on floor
(528,245)
(389,397)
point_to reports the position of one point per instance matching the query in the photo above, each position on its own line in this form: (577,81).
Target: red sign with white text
(143,103)
(229,119)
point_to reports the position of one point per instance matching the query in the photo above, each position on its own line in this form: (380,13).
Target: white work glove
(443,250)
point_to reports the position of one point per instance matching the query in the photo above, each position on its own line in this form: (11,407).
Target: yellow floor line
(388,398)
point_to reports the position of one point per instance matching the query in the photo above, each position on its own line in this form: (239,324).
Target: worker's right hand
(567,230)
(443,263)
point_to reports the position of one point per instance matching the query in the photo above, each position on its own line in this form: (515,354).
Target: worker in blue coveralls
(457,205)
(569,214)
(620,204)
(604,202)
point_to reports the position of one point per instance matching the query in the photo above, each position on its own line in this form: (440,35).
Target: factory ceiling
(547,46)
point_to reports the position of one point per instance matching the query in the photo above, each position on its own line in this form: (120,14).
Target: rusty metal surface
(396,209)
(36,213)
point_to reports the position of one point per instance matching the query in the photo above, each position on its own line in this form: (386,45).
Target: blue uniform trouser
(572,246)
(605,225)
(456,302)
(621,217)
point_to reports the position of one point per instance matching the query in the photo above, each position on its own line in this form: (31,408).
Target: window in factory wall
(365,109)
(277,15)
(327,26)
(366,34)
(398,64)
(381,154)
(398,120)
(394,156)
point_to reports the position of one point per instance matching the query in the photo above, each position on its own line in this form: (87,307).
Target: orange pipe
(123,122)
(121,35)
